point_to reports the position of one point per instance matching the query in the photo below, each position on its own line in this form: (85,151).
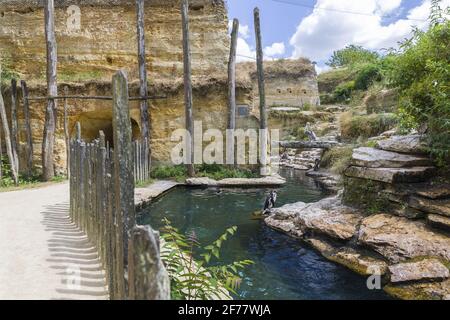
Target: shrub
(193,278)
(367,75)
(337,159)
(178,172)
(421,71)
(351,55)
(366,126)
(213,171)
(343,92)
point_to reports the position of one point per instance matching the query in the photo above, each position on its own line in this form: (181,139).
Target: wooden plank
(123,166)
(28,133)
(188,88)
(6,132)
(50,124)
(14,124)
(66,130)
(262,94)
(232,93)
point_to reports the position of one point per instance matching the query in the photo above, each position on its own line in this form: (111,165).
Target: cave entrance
(90,128)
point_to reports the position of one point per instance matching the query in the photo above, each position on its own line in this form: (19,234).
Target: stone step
(441,207)
(427,269)
(375,158)
(439,221)
(391,175)
(404,144)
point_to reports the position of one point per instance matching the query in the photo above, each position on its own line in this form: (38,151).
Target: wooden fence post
(66,130)
(188,89)
(1,157)
(262,95)
(50,125)
(123,164)
(9,149)
(14,124)
(28,134)
(143,91)
(232,94)
(147,276)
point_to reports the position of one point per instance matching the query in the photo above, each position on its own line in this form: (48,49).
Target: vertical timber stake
(263,135)
(188,89)
(123,166)
(66,130)
(9,150)
(142,70)
(14,124)
(232,94)
(29,138)
(52,90)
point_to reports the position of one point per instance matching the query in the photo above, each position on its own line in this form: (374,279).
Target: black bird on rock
(271,199)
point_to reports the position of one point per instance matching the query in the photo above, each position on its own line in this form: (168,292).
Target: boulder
(427,269)
(329,217)
(391,175)
(399,239)
(439,221)
(283,220)
(375,158)
(441,207)
(420,290)
(404,144)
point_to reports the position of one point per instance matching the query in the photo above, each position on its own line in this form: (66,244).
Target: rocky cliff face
(106,39)
(105,42)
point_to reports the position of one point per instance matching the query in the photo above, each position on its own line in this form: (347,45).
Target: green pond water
(284,268)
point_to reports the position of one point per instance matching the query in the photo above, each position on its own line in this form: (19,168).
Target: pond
(284,268)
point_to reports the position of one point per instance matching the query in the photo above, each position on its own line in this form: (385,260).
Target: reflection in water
(284,267)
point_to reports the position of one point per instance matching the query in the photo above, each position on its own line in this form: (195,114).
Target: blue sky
(319,27)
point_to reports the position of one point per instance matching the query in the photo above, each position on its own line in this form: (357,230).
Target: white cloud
(276,49)
(244,30)
(244,51)
(324,31)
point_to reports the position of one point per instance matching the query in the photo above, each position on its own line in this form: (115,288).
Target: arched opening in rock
(91,127)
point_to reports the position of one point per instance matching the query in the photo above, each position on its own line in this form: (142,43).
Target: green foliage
(366,126)
(337,159)
(351,55)
(6,72)
(213,171)
(343,92)
(422,72)
(367,75)
(7,181)
(204,277)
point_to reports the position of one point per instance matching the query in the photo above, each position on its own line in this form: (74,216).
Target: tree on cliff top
(351,55)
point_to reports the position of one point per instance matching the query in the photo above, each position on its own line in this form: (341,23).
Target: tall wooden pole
(188,88)
(50,123)
(232,93)
(1,157)
(66,130)
(123,162)
(142,69)
(29,138)
(14,124)
(262,94)
(8,144)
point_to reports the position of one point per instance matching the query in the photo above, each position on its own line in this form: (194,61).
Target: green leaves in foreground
(204,278)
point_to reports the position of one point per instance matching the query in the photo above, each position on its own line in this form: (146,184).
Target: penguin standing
(271,199)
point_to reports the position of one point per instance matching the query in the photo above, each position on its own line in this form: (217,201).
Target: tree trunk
(29,138)
(9,149)
(66,131)
(50,123)
(232,94)
(188,89)
(14,124)
(263,140)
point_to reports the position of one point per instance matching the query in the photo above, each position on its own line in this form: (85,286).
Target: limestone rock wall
(106,39)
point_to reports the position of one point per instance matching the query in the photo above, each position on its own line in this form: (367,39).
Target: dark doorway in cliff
(91,127)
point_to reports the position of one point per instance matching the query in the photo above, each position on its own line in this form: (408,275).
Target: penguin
(308,131)
(271,199)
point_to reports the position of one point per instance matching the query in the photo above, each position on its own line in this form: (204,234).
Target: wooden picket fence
(102,205)
(141,157)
